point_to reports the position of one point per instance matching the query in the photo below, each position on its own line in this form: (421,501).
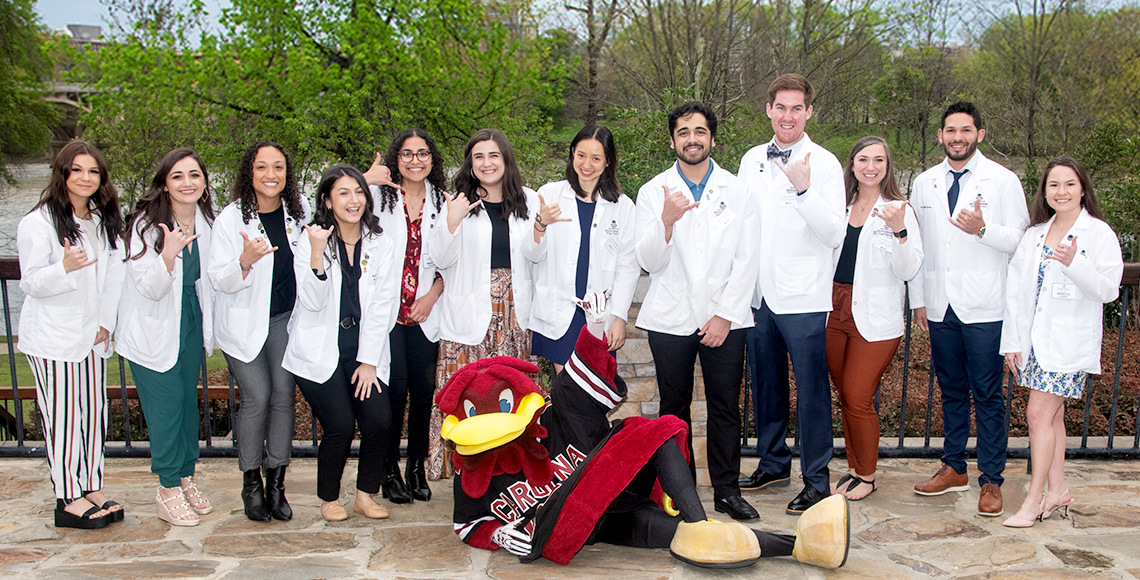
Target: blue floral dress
(1069,385)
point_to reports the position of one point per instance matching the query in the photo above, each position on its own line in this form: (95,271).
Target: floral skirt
(504,338)
(1068,385)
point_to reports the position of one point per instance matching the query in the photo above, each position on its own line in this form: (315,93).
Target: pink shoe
(1054,502)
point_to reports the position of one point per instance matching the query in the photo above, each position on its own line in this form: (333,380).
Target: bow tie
(775,153)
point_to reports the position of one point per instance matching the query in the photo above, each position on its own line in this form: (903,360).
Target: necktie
(952,193)
(775,153)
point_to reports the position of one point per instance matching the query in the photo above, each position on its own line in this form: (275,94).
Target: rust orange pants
(856,366)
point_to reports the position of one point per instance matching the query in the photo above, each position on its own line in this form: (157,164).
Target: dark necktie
(775,153)
(952,193)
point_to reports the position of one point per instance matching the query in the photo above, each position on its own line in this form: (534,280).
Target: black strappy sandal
(66,519)
(856,481)
(114,515)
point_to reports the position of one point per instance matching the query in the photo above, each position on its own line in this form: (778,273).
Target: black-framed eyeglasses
(421,155)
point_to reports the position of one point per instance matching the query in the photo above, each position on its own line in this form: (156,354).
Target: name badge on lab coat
(787,197)
(1063,291)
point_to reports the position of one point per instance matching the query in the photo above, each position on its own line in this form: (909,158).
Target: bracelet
(244,268)
(538,219)
(542,229)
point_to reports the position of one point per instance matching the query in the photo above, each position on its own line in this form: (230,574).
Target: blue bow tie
(775,153)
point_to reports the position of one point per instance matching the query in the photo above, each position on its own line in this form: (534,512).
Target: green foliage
(25,118)
(1113,160)
(331,81)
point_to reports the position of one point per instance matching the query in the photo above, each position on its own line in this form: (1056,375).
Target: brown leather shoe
(945,480)
(989,501)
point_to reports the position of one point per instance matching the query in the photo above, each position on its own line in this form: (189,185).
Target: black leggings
(412,385)
(338,411)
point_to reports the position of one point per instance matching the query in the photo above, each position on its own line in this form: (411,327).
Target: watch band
(901,233)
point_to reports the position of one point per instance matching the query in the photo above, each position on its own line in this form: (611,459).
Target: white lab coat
(708,267)
(1065,329)
(57,321)
(613,265)
(958,269)
(314,327)
(797,232)
(395,227)
(464,260)
(241,305)
(150,324)
(882,268)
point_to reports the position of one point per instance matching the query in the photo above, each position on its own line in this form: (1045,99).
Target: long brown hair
(1040,212)
(154,207)
(465,182)
(888,188)
(105,202)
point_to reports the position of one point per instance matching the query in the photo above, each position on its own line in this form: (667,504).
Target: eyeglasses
(421,155)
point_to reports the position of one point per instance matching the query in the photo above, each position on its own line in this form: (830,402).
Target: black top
(284,290)
(500,235)
(349,339)
(845,270)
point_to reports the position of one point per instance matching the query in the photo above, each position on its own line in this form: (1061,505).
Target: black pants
(412,385)
(723,368)
(338,412)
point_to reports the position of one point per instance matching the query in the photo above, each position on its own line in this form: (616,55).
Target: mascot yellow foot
(823,534)
(712,544)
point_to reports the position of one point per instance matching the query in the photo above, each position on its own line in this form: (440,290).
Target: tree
(598,17)
(330,80)
(25,117)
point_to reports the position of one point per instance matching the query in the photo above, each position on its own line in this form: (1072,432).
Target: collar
(797,148)
(971,165)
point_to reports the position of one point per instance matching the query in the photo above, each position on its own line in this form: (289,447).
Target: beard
(969,152)
(692,159)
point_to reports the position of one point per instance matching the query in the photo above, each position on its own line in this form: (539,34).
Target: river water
(15,202)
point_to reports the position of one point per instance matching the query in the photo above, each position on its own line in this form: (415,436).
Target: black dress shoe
(275,494)
(760,479)
(253,496)
(735,507)
(807,498)
(393,488)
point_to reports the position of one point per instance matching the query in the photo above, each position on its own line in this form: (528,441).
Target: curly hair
(154,206)
(465,182)
(323,215)
(435,177)
(243,192)
(104,203)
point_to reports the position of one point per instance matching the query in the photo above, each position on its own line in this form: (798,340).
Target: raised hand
(970,220)
(75,258)
(798,172)
(318,236)
(378,173)
(253,250)
(1064,253)
(894,214)
(676,204)
(547,214)
(173,242)
(457,208)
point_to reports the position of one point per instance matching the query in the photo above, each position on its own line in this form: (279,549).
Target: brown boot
(946,480)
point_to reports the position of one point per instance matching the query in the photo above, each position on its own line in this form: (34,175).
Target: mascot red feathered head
(491,410)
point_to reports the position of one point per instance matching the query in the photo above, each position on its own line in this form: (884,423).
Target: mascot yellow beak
(481,433)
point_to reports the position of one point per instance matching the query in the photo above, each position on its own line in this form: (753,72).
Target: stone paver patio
(895,534)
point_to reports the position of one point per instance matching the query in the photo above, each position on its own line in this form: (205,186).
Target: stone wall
(635,366)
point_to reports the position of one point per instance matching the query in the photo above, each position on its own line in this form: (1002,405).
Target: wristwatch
(981,232)
(901,234)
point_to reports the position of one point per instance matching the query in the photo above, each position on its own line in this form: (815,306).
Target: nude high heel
(1057,502)
(1025,517)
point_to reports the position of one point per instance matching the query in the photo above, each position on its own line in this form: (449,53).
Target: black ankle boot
(393,488)
(275,493)
(253,496)
(417,479)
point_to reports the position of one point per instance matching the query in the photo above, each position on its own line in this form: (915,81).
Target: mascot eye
(469,408)
(506,401)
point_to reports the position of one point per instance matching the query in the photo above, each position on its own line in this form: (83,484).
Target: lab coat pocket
(796,276)
(60,324)
(237,322)
(983,290)
(669,308)
(1067,339)
(149,333)
(546,304)
(886,307)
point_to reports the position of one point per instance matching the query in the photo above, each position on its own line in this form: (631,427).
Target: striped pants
(72,398)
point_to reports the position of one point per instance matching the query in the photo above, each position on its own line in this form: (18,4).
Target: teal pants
(170,399)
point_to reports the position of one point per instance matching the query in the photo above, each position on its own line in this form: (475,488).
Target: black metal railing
(217,404)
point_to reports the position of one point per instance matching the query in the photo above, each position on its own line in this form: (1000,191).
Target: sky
(58,14)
